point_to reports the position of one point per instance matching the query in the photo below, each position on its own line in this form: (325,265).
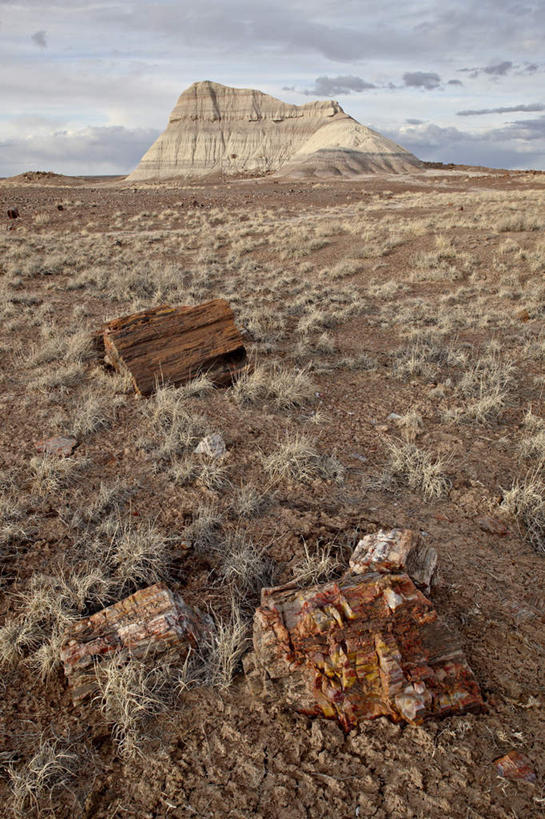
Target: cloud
(455,82)
(508,109)
(39,38)
(495,70)
(498,69)
(422,79)
(87,151)
(330,86)
(517,145)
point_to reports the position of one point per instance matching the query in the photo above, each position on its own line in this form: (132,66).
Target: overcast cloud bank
(86,85)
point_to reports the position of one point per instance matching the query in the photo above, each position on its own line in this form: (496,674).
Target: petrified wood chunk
(369,646)
(174,344)
(61,445)
(395,550)
(153,619)
(515,765)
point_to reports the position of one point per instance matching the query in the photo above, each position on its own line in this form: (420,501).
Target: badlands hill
(218,129)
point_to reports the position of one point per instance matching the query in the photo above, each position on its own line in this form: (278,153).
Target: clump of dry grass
(410,424)
(137,556)
(297,458)
(50,474)
(533,444)
(418,469)
(286,388)
(243,567)
(47,609)
(225,645)
(322,564)
(170,427)
(485,388)
(203,531)
(247,501)
(422,356)
(131,693)
(52,768)
(525,501)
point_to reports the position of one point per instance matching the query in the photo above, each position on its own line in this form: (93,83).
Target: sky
(87,85)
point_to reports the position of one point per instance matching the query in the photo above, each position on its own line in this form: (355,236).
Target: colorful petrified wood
(371,645)
(395,550)
(151,619)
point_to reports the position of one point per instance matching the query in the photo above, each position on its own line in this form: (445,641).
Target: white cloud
(99,64)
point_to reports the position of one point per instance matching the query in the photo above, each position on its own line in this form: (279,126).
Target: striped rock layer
(219,130)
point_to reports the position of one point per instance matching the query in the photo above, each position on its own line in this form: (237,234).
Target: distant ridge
(231,131)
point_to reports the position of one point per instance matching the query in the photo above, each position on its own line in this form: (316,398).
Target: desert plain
(394,324)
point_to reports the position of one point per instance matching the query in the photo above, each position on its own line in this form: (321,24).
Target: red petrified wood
(515,765)
(368,646)
(150,619)
(172,345)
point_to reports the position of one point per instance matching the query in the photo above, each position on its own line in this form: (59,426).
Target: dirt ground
(396,327)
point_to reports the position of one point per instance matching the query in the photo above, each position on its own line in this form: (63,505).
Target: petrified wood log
(395,550)
(152,619)
(369,646)
(174,344)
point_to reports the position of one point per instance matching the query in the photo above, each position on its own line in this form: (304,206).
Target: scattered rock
(213,446)
(174,344)
(13,213)
(395,550)
(371,645)
(489,524)
(60,445)
(151,619)
(515,765)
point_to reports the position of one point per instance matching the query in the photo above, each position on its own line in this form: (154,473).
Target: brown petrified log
(172,345)
(368,646)
(395,550)
(151,619)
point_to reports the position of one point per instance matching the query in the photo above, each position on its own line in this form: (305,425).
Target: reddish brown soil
(222,754)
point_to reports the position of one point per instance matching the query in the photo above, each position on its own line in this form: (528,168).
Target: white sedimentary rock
(217,129)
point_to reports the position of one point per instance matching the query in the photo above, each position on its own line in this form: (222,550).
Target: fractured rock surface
(395,550)
(150,619)
(368,646)
(218,129)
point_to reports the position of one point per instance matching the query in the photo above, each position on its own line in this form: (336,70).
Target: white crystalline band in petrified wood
(393,550)
(150,619)
(171,345)
(369,646)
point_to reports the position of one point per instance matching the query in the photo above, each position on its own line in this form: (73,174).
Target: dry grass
(525,501)
(138,556)
(247,501)
(131,694)
(243,567)
(418,469)
(47,609)
(224,648)
(51,769)
(285,388)
(297,458)
(319,565)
